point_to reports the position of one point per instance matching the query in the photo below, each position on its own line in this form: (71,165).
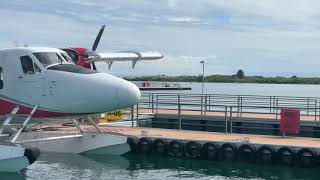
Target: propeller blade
(96,42)
(94,66)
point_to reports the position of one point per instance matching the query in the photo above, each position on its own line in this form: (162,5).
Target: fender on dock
(193,149)
(160,146)
(307,157)
(176,148)
(210,151)
(286,156)
(265,154)
(145,145)
(133,143)
(228,152)
(246,153)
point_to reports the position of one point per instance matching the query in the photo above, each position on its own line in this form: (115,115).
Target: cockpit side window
(49,58)
(73,55)
(27,65)
(67,57)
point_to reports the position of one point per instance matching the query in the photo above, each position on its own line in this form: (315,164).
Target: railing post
(179,111)
(149,95)
(209,102)
(238,104)
(241,107)
(157,105)
(231,119)
(201,104)
(308,101)
(273,104)
(152,103)
(277,103)
(226,118)
(319,110)
(315,110)
(205,104)
(270,104)
(138,120)
(132,116)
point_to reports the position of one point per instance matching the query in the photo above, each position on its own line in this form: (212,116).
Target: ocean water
(137,166)
(300,90)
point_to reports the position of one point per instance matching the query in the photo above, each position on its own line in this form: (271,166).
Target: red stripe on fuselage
(6,107)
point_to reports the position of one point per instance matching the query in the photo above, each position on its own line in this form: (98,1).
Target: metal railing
(230,107)
(243,103)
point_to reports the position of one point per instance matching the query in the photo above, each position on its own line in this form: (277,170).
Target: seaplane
(44,83)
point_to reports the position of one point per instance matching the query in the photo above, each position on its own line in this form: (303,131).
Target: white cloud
(184,19)
(261,37)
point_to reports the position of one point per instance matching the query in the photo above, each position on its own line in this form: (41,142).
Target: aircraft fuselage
(44,77)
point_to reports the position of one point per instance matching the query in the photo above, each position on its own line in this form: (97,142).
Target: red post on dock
(290,121)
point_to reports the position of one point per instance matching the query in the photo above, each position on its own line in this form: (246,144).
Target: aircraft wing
(133,56)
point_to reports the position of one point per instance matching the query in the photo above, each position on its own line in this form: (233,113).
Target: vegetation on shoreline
(237,78)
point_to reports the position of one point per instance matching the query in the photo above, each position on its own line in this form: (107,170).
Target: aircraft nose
(128,94)
(103,93)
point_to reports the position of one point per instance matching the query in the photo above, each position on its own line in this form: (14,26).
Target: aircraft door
(30,78)
(1,78)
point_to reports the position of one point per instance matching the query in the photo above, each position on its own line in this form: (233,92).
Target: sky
(265,37)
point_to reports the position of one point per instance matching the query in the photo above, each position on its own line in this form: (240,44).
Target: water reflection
(135,166)
(202,168)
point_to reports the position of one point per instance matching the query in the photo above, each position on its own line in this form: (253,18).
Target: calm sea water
(253,89)
(135,166)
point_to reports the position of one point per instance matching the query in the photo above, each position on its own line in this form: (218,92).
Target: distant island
(239,77)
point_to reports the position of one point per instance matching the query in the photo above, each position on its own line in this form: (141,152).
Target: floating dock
(291,151)
(220,146)
(243,128)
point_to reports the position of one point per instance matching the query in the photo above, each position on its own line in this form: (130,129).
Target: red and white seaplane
(41,83)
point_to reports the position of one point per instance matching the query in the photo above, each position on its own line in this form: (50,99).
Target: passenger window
(27,65)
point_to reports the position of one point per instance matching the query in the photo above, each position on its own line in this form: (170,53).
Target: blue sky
(265,37)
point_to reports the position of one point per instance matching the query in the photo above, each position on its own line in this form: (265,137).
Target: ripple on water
(135,166)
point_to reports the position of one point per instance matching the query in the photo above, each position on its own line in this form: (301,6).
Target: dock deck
(194,135)
(210,145)
(210,136)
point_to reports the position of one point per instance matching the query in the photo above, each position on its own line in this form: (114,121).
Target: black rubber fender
(145,145)
(210,151)
(286,156)
(193,149)
(246,153)
(228,152)
(266,154)
(160,146)
(133,143)
(176,148)
(32,153)
(307,157)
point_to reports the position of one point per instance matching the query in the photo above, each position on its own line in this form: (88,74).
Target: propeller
(96,43)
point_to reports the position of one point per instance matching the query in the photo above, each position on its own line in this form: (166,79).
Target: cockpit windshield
(49,58)
(67,57)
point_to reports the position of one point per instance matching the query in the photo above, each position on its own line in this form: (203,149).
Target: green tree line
(239,77)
